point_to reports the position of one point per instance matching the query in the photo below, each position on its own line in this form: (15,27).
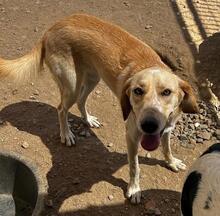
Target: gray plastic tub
(21,189)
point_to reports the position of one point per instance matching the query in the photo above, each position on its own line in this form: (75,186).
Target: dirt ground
(91,178)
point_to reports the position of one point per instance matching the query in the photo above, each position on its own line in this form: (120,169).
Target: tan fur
(81,49)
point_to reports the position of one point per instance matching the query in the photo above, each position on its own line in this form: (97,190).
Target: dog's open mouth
(151,142)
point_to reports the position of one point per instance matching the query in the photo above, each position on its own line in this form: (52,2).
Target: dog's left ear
(188,103)
(125,102)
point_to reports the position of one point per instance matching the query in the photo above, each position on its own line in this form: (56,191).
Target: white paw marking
(134,193)
(93,121)
(176,165)
(68,138)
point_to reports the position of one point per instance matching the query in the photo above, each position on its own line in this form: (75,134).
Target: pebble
(110,145)
(25,145)
(49,203)
(148,155)
(82,133)
(36,92)
(150,204)
(32,97)
(110,197)
(98,92)
(14,92)
(148,27)
(197,124)
(183,137)
(204,135)
(36,29)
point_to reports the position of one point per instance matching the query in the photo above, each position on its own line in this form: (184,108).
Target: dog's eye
(138,91)
(166,92)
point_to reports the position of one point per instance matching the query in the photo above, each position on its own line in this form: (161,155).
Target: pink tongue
(150,142)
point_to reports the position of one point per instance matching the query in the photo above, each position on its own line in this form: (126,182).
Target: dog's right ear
(125,102)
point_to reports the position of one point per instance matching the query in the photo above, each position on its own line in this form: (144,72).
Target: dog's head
(153,95)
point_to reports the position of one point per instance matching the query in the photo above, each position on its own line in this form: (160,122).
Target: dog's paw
(93,121)
(176,165)
(134,194)
(68,138)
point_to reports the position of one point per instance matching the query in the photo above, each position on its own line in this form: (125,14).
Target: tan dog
(80,50)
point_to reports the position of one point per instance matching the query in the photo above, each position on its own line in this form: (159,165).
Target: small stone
(83,133)
(166,200)
(183,137)
(148,27)
(88,134)
(197,124)
(110,145)
(14,92)
(110,197)
(25,145)
(204,135)
(191,126)
(49,203)
(126,4)
(199,140)
(173,210)
(36,92)
(32,97)
(98,92)
(76,181)
(148,155)
(203,126)
(36,29)
(217,133)
(157,211)
(150,205)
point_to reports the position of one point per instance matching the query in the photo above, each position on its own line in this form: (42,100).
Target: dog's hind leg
(69,83)
(90,80)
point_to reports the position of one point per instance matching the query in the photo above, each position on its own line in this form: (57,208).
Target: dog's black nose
(149,125)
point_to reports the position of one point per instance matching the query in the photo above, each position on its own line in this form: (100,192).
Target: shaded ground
(81,179)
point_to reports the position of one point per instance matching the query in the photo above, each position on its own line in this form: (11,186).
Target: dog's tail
(25,67)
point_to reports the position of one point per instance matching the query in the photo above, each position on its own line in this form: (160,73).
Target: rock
(153,211)
(183,137)
(166,200)
(25,145)
(110,145)
(203,126)
(36,29)
(98,92)
(199,140)
(82,133)
(191,126)
(2,123)
(36,92)
(32,97)
(110,197)
(126,4)
(217,133)
(88,134)
(148,155)
(204,135)
(157,211)
(150,204)
(76,181)
(173,210)
(49,203)
(14,92)
(148,27)
(197,124)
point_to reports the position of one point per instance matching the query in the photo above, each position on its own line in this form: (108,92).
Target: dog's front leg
(173,163)
(133,191)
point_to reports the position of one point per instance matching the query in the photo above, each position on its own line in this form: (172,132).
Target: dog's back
(201,190)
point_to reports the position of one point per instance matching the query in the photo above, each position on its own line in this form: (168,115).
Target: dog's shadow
(74,170)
